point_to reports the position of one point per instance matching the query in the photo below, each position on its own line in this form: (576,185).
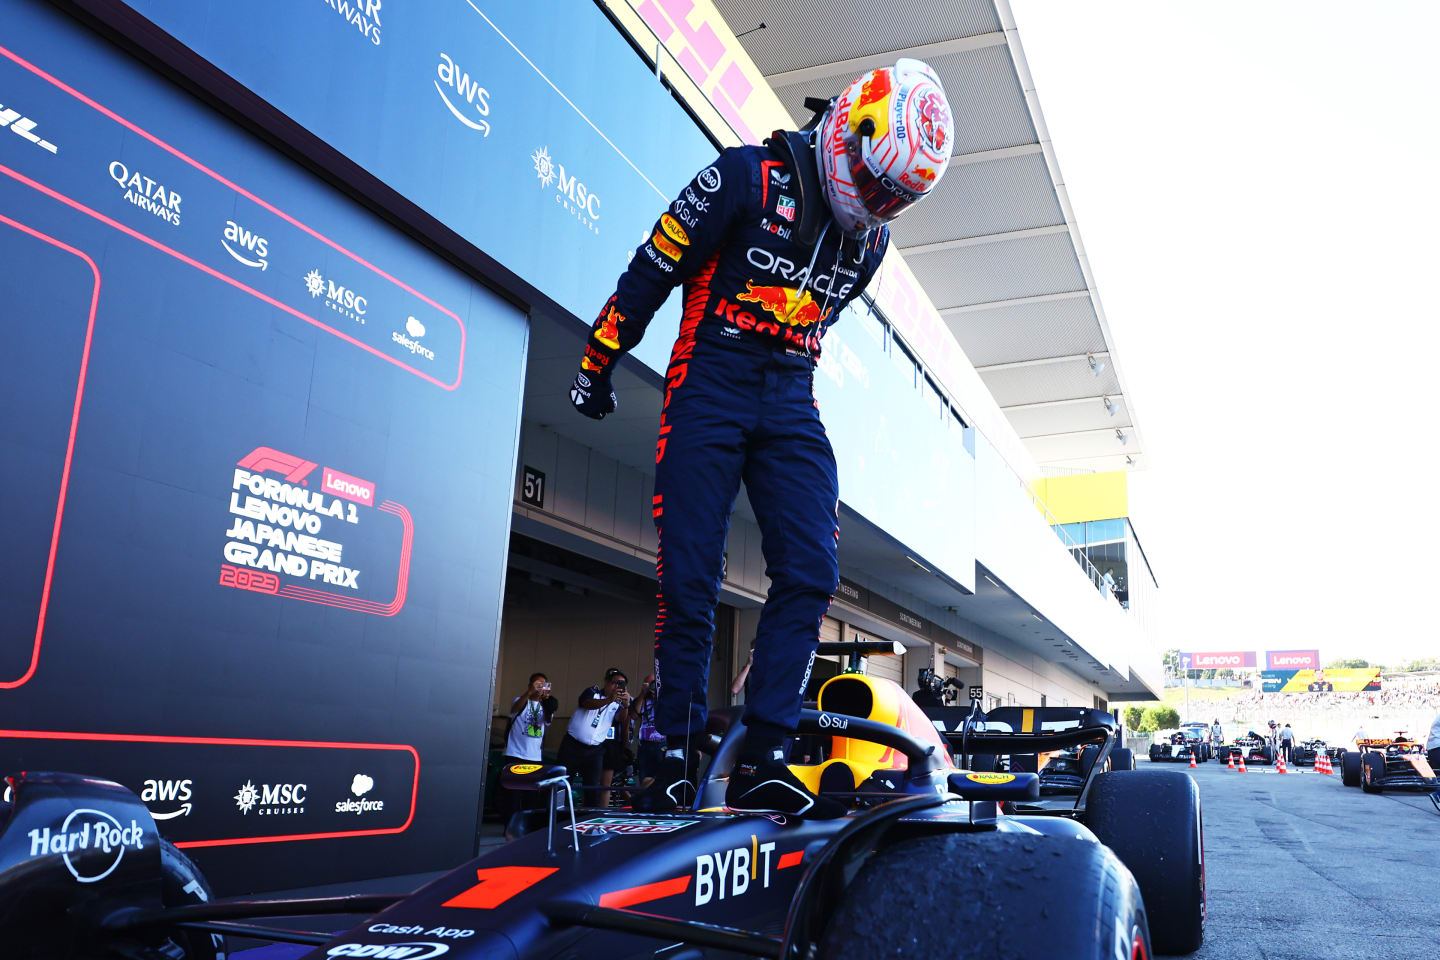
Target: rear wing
(1006,730)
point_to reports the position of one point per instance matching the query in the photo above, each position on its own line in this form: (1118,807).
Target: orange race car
(1396,763)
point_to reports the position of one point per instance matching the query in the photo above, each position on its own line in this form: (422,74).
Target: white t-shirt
(527,732)
(1434,740)
(593,727)
(1287,734)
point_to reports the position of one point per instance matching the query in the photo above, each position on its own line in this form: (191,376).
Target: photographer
(933,692)
(530,715)
(602,708)
(650,749)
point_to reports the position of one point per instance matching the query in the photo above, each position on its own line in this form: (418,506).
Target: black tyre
(1154,752)
(1086,758)
(1122,758)
(181,883)
(1152,820)
(991,896)
(1267,754)
(1350,769)
(1372,773)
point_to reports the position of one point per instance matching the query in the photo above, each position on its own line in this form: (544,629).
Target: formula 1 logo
(21,127)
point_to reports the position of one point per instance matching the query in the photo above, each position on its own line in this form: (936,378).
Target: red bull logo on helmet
(788,305)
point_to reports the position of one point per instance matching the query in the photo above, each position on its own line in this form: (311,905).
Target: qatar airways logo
(146,193)
(363,15)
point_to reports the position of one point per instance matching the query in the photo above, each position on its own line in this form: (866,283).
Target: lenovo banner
(1233,659)
(1292,659)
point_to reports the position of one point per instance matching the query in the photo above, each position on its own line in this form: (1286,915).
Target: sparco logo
(257,246)
(411,950)
(147,194)
(343,301)
(570,193)
(271,798)
(88,831)
(466,90)
(21,127)
(363,15)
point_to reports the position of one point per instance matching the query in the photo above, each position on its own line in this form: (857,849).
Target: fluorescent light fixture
(1120,435)
(1110,407)
(917,563)
(1038,617)
(992,580)
(1095,365)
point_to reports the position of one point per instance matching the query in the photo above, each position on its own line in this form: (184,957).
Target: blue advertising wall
(258,458)
(906,466)
(531,130)
(489,116)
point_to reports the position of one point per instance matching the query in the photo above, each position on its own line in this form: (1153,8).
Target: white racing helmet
(884,144)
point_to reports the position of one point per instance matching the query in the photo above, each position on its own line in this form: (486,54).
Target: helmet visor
(884,199)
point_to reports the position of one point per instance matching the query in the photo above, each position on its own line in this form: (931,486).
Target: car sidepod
(715,868)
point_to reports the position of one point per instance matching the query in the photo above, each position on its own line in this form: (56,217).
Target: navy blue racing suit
(739,404)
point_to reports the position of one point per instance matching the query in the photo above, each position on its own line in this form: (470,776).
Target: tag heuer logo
(785,207)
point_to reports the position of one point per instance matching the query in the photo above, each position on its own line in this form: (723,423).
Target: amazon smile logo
(168,792)
(463,96)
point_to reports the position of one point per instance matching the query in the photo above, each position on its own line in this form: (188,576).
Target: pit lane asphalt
(1299,867)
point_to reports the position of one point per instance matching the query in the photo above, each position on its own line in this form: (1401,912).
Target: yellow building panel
(1084,496)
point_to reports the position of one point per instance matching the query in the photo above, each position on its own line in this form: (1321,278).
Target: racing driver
(771,242)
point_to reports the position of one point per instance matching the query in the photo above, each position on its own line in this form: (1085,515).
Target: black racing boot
(764,784)
(673,786)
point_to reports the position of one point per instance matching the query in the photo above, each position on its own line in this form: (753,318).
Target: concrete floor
(1300,868)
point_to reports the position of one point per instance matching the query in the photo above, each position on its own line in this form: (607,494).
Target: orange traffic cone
(1231,764)
(1322,763)
(1242,764)
(1192,761)
(1280,765)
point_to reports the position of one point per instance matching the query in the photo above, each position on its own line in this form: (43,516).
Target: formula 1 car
(1395,764)
(84,873)
(1303,754)
(1181,746)
(1252,748)
(1199,733)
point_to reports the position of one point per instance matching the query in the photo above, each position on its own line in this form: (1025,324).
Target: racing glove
(592,394)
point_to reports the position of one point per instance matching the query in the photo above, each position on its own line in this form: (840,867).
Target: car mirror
(995,786)
(531,776)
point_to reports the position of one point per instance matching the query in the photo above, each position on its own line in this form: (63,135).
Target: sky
(1257,187)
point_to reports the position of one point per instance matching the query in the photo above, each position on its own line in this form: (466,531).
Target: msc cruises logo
(570,192)
(467,91)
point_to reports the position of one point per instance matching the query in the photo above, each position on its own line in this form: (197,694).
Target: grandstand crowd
(1404,702)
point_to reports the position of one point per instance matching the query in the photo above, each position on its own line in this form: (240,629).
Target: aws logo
(168,791)
(466,90)
(251,243)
